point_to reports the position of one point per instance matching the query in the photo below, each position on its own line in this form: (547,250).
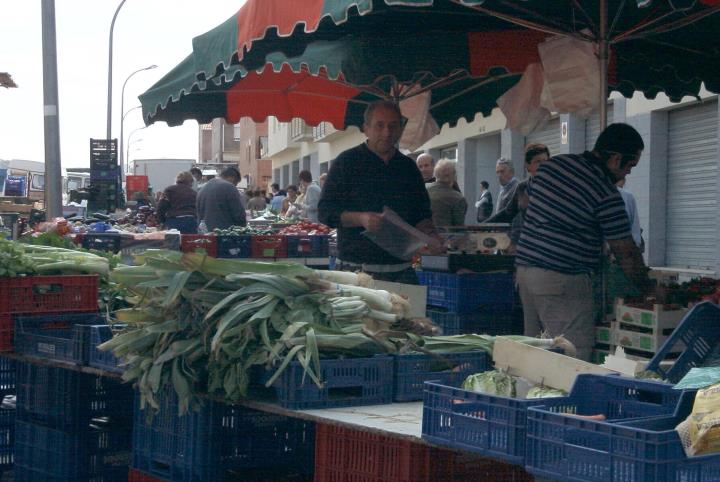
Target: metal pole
(129,139)
(603,59)
(53,172)
(110,62)
(122,123)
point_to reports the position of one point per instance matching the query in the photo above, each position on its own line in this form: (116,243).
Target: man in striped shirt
(574,208)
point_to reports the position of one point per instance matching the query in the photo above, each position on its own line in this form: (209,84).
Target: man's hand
(372,221)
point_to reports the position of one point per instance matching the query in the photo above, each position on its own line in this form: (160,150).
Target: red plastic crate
(346,454)
(137,476)
(49,294)
(269,246)
(6,332)
(195,242)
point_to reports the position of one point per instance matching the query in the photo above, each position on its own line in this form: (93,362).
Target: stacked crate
(641,332)
(472,302)
(71,426)
(7,413)
(219,442)
(104,175)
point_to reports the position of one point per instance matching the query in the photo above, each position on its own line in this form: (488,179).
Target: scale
(476,248)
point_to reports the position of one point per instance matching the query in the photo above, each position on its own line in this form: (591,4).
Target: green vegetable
(541,391)
(491,383)
(14,261)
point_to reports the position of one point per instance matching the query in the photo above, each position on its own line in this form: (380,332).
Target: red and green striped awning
(364,49)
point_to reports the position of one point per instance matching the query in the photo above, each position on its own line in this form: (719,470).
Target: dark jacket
(180,200)
(219,205)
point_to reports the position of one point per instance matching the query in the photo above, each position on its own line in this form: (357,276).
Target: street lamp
(110,53)
(122,109)
(130,110)
(130,139)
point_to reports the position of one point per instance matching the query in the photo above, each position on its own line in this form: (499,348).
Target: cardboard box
(645,341)
(603,334)
(658,318)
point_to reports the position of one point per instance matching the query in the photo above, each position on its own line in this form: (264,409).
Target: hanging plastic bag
(397,237)
(572,75)
(420,126)
(521,104)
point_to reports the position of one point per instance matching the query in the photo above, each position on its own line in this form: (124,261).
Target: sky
(146,32)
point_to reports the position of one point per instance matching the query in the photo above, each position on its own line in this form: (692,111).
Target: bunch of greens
(14,261)
(206,325)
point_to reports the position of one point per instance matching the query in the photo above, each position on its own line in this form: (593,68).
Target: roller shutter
(692,220)
(592,127)
(549,134)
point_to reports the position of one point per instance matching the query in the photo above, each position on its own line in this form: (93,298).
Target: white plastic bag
(572,75)
(420,125)
(521,104)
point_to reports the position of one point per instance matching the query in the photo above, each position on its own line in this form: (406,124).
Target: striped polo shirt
(574,206)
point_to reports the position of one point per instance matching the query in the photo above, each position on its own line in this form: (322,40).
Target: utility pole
(53,172)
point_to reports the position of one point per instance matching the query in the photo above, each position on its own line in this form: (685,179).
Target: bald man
(426,165)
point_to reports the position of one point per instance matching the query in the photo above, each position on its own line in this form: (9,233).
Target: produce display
(305,228)
(495,382)
(26,259)
(243,231)
(206,325)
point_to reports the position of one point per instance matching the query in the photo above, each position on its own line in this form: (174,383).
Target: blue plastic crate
(232,246)
(105,173)
(699,333)
(637,450)
(105,360)
(565,447)
(413,370)
(90,454)
(63,337)
(7,437)
(462,293)
(218,442)
(65,399)
(7,376)
(110,242)
(346,382)
(498,426)
(505,321)
(316,246)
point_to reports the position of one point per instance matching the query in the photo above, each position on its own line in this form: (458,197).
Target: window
(449,153)
(262,147)
(38,182)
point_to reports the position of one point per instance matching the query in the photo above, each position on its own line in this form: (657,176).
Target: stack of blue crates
(219,442)
(71,426)
(7,413)
(472,302)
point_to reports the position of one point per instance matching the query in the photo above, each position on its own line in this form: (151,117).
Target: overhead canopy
(259,62)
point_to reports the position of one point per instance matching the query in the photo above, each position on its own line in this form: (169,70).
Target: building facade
(244,144)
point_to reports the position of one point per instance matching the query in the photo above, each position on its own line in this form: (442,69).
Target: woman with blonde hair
(176,210)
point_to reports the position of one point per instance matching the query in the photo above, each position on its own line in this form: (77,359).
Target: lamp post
(122,124)
(130,139)
(110,56)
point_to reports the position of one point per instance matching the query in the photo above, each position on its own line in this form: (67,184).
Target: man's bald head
(426,164)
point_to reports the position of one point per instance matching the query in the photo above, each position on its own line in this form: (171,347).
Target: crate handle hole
(338,393)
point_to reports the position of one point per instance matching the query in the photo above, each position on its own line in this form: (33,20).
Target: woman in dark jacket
(176,210)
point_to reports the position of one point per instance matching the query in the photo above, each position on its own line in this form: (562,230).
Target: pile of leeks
(206,325)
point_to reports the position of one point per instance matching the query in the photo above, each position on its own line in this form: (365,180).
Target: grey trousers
(558,304)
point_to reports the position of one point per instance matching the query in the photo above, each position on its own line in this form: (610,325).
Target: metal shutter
(592,127)
(692,222)
(549,134)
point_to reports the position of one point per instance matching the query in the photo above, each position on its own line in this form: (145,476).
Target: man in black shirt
(362,181)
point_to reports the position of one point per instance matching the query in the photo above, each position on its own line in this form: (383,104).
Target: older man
(508,182)
(426,166)
(448,206)
(365,179)
(219,203)
(574,208)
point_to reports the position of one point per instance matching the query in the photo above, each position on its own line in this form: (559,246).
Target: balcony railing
(300,132)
